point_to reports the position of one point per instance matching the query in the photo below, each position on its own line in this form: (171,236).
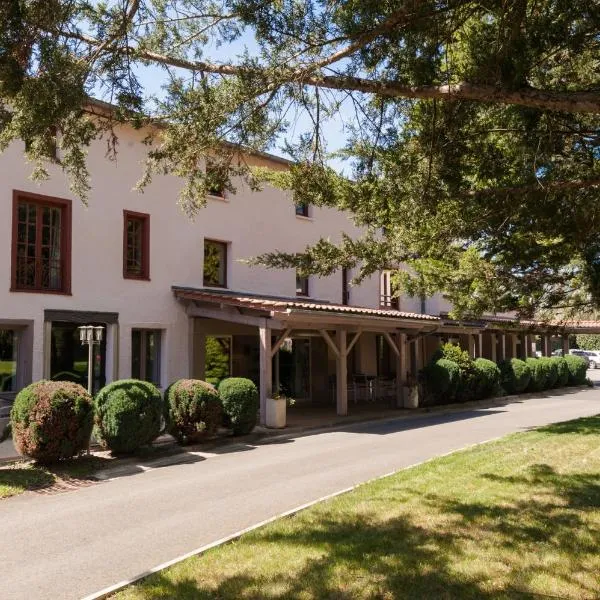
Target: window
(136,245)
(215,181)
(41,248)
(215,263)
(301,285)
(345,290)
(386,295)
(8,360)
(302,210)
(145,354)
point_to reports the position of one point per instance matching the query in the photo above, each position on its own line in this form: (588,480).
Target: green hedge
(128,415)
(440,380)
(539,374)
(515,375)
(192,410)
(488,378)
(551,372)
(562,368)
(577,369)
(240,403)
(52,420)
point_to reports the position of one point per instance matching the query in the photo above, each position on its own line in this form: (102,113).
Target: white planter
(411,396)
(276,413)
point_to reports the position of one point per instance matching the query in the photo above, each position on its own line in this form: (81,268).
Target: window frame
(304,287)
(213,192)
(145,220)
(345,286)
(65,207)
(143,347)
(303,211)
(225,246)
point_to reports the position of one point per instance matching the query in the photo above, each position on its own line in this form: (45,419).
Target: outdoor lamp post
(92,336)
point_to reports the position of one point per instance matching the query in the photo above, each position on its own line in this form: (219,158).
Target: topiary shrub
(440,380)
(562,369)
(192,410)
(488,377)
(539,374)
(577,369)
(515,375)
(128,415)
(551,372)
(52,420)
(240,403)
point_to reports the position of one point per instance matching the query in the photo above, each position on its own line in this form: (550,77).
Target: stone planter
(411,396)
(276,413)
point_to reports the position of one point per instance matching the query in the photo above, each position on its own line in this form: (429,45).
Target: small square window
(301,285)
(146,354)
(136,245)
(215,263)
(302,210)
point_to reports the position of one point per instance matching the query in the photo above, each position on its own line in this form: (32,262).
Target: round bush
(192,410)
(577,369)
(551,372)
(128,415)
(240,403)
(515,375)
(562,369)
(441,380)
(538,375)
(52,420)
(488,377)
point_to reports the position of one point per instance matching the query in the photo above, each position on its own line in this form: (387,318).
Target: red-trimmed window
(215,264)
(301,285)
(136,245)
(41,244)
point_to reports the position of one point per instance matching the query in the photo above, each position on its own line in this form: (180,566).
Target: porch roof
(288,309)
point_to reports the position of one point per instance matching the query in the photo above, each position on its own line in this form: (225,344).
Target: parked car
(558,352)
(594,358)
(587,355)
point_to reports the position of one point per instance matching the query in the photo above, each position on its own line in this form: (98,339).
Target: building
(176,301)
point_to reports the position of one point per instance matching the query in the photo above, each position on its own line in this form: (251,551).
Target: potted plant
(276,410)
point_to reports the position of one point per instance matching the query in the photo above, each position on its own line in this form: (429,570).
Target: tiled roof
(272,303)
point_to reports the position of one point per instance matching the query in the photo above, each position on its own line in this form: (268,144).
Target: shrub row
(452,376)
(53,420)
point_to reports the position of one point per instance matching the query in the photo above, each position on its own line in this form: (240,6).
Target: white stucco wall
(252,223)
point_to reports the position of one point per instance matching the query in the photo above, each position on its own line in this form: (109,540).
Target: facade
(176,300)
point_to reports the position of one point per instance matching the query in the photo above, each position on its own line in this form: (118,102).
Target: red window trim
(145,219)
(66,207)
(225,245)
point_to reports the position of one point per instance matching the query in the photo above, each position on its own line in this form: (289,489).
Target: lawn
(20,476)
(518,518)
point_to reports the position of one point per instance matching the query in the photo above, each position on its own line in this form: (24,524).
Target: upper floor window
(136,245)
(386,292)
(215,184)
(301,285)
(302,210)
(215,263)
(146,354)
(345,287)
(41,244)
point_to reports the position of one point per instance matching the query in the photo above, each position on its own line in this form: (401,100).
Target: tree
(474,145)
(588,341)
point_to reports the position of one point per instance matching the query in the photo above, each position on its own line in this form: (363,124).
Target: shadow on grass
(583,426)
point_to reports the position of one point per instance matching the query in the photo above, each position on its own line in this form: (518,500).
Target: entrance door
(69,357)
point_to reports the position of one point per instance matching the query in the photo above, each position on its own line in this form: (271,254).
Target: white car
(592,356)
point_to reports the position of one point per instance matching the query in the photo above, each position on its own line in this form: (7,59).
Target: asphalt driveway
(72,544)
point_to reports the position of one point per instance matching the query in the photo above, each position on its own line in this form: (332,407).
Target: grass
(518,518)
(20,476)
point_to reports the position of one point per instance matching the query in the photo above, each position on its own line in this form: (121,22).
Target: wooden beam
(390,341)
(354,340)
(341,373)
(280,341)
(266,372)
(330,342)
(230,316)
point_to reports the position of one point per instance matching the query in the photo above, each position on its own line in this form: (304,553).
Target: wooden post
(565,343)
(400,369)
(471,344)
(514,339)
(503,346)
(266,371)
(341,373)
(480,345)
(524,349)
(493,349)
(276,371)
